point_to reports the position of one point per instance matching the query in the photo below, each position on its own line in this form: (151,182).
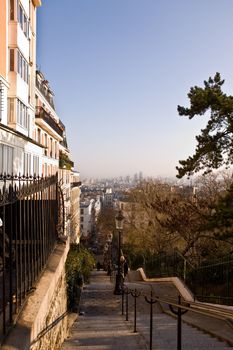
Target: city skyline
(120,68)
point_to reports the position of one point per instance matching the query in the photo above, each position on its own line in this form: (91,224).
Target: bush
(79,264)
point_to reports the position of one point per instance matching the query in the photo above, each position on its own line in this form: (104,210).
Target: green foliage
(79,264)
(221,221)
(215,143)
(65,162)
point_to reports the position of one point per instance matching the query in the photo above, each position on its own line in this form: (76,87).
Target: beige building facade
(32,136)
(19,153)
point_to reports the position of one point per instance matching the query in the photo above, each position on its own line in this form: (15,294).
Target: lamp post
(119,218)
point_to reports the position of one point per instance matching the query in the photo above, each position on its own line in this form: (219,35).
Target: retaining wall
(43,325)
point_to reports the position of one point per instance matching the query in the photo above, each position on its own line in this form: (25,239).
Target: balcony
(76,184)
(46,117)
(45,93)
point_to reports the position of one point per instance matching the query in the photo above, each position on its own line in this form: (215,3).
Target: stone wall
(43,323)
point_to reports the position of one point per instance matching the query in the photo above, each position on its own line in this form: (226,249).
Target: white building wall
(86,217)
(25,4)
(22,42)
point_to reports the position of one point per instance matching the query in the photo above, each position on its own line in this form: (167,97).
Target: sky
(119,68)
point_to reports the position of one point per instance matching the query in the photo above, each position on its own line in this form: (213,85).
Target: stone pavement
(100,325)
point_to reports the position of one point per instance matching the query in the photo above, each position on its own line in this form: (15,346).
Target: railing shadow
(49,328)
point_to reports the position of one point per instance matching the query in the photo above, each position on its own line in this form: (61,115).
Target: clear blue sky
(119,68)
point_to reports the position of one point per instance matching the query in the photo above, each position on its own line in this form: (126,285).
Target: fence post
(151,301)
(126,292)
(179,314)
(135,294)
(122,301)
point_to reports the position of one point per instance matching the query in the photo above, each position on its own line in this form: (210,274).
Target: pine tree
(215,143)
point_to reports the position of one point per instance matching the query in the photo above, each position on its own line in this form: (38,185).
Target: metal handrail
(208,310)
(143,289)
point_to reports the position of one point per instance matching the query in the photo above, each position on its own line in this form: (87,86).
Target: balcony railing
(45,93)
(66,164)
(76,184)
(41,113)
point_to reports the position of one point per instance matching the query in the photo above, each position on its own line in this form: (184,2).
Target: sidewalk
(102,326)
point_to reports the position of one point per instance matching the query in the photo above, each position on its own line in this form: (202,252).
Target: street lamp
(119,218)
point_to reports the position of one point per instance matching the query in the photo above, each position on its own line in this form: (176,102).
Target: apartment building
(32,136)
(87,218)
(48,129)
(75,207)
(20,153)
(65,179)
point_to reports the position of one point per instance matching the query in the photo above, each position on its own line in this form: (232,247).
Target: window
(22,65)
(22,114)
(35,165)
(82,211)
(38,135)
(27,164)
(6,159)
(23,20)
(46,144)
(51,147)
(1,100)
(45,170)
(10,110)
(12,10)
(55,149)
(12,60)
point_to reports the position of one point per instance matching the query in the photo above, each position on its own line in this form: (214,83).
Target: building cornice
(19,134)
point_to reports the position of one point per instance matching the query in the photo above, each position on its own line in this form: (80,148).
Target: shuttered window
(6,159)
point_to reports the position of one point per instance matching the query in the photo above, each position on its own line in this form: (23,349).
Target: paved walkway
(102,327)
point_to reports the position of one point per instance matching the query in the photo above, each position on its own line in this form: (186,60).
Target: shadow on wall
(19,337)
(49,328)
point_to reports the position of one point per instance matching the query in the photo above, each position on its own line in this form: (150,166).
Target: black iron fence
(212,282)
(29,210)
(164,265)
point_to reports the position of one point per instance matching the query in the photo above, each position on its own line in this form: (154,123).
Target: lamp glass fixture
(119,218)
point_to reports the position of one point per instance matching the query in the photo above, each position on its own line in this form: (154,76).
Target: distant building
(87,218)
(75,208)
(184,191)
(48,129)
(108,198)
(98,205)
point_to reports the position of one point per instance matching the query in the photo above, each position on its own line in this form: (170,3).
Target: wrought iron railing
(41,113)
(29,210)
(163,265)
(213,283)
